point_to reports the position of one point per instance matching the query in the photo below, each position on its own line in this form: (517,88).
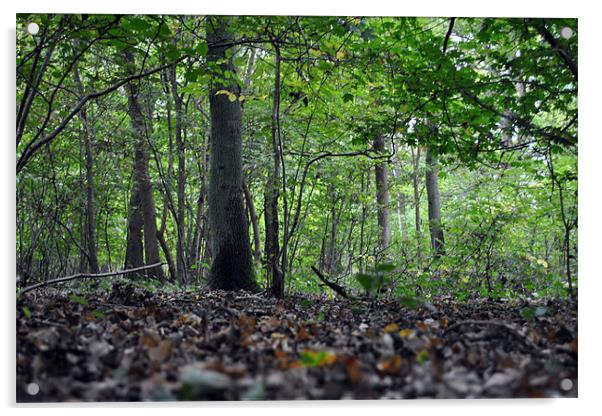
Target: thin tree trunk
(254,221)
(167,253)
(434,204)
(180,260)
(143,191)
(416,183)
(232,264)
(401,201)
(90,219)
(363,225)
(331,256)
(382,195)
(275,273)
(200,213)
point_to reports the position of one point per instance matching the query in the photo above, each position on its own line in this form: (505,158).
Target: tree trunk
(416,183)
(134,252)
(401,201)
(90,219)
(142,194)
(254,222)
(200,220)
(364,187)
(180,260)
(332,241)
(275,273)
(382,195)
(434,203)
(232,265)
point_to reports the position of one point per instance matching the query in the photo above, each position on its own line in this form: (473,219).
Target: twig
(88,276)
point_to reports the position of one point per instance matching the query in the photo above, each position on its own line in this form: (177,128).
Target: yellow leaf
(405,333)
(340,55)
(391,328)
(231,95)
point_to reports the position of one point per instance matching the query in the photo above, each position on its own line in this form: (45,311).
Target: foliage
(503,102)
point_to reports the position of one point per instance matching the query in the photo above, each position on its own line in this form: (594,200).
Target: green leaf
(78,299)
(365,280)
(98,314)
(26,312)
(527,313)
(385,267)
(409,302)
(316,358)
(202,48)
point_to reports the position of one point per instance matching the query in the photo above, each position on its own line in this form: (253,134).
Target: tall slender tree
(142,204)
(434,203)
(382,194)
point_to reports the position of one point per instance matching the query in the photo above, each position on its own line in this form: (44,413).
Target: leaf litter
(137,345)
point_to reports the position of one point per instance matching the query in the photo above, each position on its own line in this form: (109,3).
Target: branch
(555,44)
(32,147)
(88,276)
(338,289)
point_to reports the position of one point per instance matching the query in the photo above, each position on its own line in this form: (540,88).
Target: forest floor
(132,344)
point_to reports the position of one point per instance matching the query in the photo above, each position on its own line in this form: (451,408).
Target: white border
(590,153)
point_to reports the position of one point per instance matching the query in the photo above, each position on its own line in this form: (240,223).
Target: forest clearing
(295,208)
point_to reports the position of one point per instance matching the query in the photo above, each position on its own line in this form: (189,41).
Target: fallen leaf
(393,327)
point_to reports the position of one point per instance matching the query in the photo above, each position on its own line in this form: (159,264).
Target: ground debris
(139,345)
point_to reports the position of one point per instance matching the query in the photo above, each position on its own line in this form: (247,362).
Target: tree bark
(434,204)
(180,259)
(275,273)
(254,221)
(382,195)
(134,252)
(200,219)
(143,202)
(232,265)
(416,183)
(90,218)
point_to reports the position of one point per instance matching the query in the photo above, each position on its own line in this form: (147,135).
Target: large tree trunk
(134,252)
(142,193)
(232,264)
(382,195)
(434,203)
(180,245)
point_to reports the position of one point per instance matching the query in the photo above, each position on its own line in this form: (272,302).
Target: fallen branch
(88,276)
(338,289)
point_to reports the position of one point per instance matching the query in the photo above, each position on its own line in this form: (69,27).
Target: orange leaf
(302,334)
(354,372)
(444,323)
(391,366)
